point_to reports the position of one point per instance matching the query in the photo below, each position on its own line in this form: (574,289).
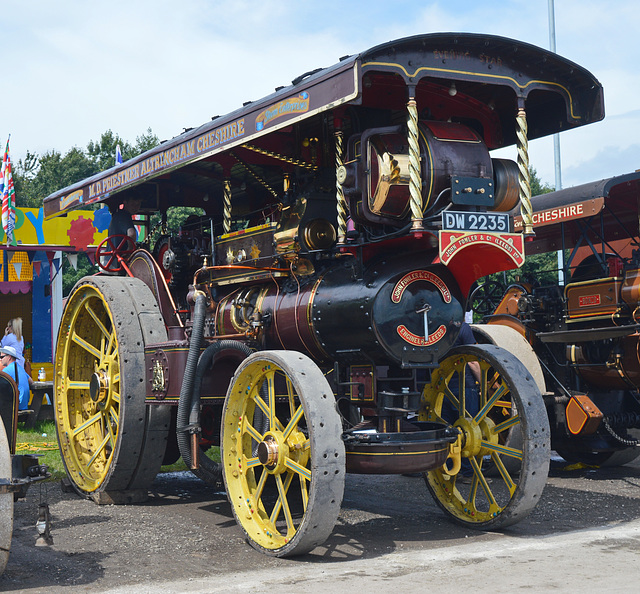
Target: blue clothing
(23,383)
(465,336)
(121,222)
(11,340)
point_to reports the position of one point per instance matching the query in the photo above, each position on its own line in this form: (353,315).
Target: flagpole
(556,137)
(7,193)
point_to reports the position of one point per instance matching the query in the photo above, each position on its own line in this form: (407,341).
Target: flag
(8,197)
(118,155)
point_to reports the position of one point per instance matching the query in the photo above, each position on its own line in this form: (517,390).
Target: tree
(103,151)
(36,177)
(146,141)
(71,276)
(538,268)
(536,185)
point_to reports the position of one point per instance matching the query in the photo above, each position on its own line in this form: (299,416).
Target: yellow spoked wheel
(109,439)
(283,457)
(504,446)
(6,500)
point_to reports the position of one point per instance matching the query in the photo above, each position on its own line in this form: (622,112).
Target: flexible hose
(184,403)
(204,363)
(208,470)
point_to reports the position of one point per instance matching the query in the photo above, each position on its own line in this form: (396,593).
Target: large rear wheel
(497,483)
(283,457)
(112,444)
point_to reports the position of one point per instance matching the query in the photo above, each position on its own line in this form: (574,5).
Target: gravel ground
(185,531)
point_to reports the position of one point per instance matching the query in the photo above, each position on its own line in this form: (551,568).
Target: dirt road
(390,536)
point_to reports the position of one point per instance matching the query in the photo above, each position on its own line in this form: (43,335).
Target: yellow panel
(20,262)
(74,229)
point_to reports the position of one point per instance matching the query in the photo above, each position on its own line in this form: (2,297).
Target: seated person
(121,224)
(13,338)
(8,358)
(122,220)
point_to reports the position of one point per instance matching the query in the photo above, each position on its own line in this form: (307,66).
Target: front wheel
(283,457)
(498,482)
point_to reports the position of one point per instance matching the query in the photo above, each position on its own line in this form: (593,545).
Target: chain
(622,440)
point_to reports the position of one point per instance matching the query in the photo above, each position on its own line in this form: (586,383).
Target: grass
(41,440)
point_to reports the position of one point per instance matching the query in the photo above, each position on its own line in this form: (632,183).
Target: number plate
(496,222)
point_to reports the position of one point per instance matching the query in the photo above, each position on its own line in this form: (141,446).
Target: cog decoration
(101,219)
(81,233)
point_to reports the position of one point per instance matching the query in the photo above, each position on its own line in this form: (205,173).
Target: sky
(75,69)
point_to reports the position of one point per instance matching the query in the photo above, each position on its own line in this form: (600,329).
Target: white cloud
(76,69)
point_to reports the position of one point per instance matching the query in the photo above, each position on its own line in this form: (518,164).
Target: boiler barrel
(381,315)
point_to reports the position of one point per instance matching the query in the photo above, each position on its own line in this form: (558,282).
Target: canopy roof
(492,76)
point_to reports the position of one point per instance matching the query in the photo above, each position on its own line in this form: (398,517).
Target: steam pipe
(184,403)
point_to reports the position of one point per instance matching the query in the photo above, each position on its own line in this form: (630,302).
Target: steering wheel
(486,297)
(113,251)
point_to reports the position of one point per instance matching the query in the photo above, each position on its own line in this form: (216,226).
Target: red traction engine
(305,322)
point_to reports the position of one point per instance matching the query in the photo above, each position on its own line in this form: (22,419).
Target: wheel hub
(472,436)
(268,452)
(99,387)
(488,435)
(273,452)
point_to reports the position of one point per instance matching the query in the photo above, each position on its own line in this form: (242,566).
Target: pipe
(186,390)
(209,469)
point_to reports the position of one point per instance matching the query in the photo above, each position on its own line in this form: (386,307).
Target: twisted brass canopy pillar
(524,186)
(341,203)
(415,183)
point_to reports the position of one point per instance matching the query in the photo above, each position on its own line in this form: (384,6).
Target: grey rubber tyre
(512,341)
(509,401)
(285,479)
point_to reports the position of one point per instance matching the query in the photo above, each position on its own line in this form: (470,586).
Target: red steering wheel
(114,251)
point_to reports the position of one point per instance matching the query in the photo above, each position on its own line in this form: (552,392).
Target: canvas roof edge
(193,134)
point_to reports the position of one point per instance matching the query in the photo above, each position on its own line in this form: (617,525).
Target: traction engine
(306,324)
